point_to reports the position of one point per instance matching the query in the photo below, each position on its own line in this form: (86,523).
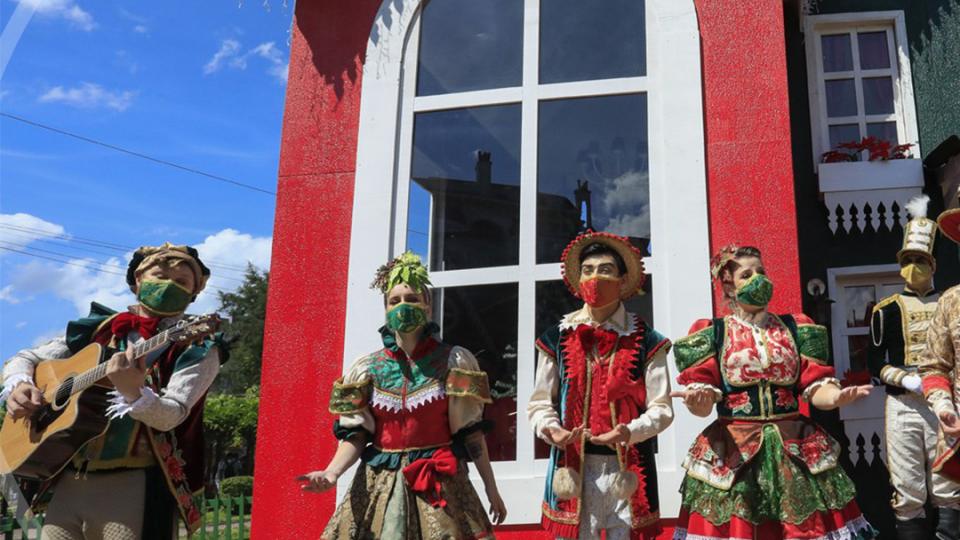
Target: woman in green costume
(762,470)
(412,413)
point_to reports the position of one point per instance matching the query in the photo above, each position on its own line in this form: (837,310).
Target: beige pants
(100,506)
(599,509)
(911,449)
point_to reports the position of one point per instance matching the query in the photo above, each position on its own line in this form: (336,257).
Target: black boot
(948,527)
(911,529)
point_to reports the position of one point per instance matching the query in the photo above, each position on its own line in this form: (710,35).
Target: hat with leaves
(406,268)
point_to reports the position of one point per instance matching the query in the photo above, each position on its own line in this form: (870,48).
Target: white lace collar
(622,321)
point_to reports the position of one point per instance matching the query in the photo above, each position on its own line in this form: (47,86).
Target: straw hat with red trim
(949,224)
(570,262)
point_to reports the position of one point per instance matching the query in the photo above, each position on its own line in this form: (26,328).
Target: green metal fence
(223,519)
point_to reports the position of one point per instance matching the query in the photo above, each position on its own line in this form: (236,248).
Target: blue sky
(199,84)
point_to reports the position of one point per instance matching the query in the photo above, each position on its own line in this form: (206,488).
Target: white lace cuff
(808,392)
(11,383)
(718,395)
(119,407)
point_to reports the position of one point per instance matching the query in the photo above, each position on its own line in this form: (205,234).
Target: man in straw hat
(898,330)
(129,483)
(940,371)
(601,395)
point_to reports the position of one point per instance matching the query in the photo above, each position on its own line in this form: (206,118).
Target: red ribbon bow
(421,475)
(124,323)
(589,337)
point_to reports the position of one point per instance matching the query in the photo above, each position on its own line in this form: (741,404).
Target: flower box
(851,189)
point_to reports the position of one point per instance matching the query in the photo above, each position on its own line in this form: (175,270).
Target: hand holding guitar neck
(126,372)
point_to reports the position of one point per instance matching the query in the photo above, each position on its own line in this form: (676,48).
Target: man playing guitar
(130,482)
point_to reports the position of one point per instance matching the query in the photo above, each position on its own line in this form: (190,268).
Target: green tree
(245,311)
(230,422)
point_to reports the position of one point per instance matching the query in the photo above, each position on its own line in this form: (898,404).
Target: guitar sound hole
(63,394)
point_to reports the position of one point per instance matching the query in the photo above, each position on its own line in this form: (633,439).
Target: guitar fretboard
(88,378)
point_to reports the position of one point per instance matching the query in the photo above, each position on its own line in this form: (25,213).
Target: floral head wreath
(720,260)
(406,268)
(570,262)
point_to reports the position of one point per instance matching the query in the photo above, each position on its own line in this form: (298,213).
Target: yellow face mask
(916,274)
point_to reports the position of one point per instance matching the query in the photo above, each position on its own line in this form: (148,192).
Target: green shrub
(238,486)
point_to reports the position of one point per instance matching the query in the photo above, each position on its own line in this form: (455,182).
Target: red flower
(785,397)
(186,500)
(193,516)
(174,468)
(737,400)
(165,449)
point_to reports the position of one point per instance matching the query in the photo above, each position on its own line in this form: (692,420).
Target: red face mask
(600,291)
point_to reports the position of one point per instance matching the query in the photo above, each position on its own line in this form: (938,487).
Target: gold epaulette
(886,301)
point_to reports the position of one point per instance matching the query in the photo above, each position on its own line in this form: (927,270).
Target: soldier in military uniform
(898,330)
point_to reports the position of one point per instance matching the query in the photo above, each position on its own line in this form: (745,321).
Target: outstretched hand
(317,481)
(850,394)
(699,400)
(950,423)
(561,437)
(498,510)
(618,435)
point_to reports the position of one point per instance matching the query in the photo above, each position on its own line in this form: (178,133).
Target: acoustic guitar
(76,395)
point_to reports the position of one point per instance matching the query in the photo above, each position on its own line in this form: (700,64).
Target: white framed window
(491,133)
(855,291)
(859,79)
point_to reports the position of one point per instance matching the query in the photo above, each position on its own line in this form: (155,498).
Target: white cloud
(20,325)
(127,62)
(62,9)
(88,282)
(6,295)
(228,49)
(89,96)
(229,55)
(626,203)
(4,93)
(229,248)
(140,29)
(78,285)
(47,336)
(29,222)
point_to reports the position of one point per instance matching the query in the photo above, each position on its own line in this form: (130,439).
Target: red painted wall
(749,164)
(303,349)
(750,195)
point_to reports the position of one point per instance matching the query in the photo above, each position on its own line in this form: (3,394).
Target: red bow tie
(125,323)
(604,340)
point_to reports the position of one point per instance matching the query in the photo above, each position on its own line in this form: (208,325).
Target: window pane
(844,133)
(483,320)
(592,171)
(553,301)
(592,39)
(858,353)
(874,51)
(469,45)
(885,131)
(837,53)
(859,302)
(878,95)
(841,98)
(465,194)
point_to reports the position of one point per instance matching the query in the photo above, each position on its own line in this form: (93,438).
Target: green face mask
(163,297)
(757,291)
(406,318)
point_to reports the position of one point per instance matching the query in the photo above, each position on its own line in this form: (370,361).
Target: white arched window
(492,133)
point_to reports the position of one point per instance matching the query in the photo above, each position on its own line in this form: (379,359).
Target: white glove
(913,383)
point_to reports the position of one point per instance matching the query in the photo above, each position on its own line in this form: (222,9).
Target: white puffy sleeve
(350,399)
(467,388)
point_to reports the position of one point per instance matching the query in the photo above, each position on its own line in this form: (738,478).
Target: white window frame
(856,276)
(905,112)
(682,289)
